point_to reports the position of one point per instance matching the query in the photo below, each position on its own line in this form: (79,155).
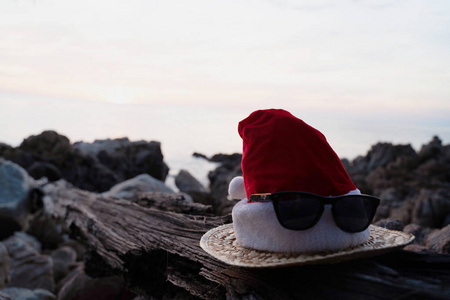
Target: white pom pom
(236,189)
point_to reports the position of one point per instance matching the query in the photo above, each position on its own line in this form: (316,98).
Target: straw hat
(282,153)
(221,243)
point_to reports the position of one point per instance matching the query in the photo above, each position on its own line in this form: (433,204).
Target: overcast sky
(334,58)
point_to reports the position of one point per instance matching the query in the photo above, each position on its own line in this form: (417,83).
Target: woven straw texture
(221,243)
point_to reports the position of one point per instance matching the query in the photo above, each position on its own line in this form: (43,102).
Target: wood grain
(157,251)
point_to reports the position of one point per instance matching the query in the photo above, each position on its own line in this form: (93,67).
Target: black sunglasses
(301,210)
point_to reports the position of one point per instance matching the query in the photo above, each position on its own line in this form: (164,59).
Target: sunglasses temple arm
(260,198)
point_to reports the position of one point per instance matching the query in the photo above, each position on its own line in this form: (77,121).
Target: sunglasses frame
(274,198)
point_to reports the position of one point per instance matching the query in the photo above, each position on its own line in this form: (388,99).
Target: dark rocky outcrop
(128,158)
(413,187)
(90,166)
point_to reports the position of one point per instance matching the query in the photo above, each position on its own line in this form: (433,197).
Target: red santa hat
(283,153)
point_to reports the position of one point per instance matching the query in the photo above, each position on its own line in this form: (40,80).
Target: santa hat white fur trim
(256,227)
(236,188)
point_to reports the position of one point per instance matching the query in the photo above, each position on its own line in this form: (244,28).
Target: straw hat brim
(221,243)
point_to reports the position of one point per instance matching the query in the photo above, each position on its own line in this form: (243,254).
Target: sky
(186,72)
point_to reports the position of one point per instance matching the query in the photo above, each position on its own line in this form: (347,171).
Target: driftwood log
(157,251)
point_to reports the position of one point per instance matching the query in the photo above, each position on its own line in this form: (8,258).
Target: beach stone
(29,269)
(4,266)
(141,183)
(439,240)
(62,258)
(27,294)
(15,204)
(78,285)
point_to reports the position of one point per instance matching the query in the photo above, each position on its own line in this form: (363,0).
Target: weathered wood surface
(158,253)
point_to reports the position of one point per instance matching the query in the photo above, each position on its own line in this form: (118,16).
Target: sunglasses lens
(297,212)
(354,214)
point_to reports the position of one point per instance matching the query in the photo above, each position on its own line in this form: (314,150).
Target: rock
(79,248)
(108,145)
(78,285)
(41,169)
(142,183)
(26,294)
(48,145)
(413,188)
(220,178)
(4,266)
(4,296)
(439,240)
(432,149)
(15,204)
(431,208)
(89,174)
(419,232)
(31,241)
(47,230)
(199,155)
(416,248)
(391,199)
(188,184)
(390,224)
(93,167)
(127,158)
(230,161)
(62,259)
(29,269)
(382,154)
